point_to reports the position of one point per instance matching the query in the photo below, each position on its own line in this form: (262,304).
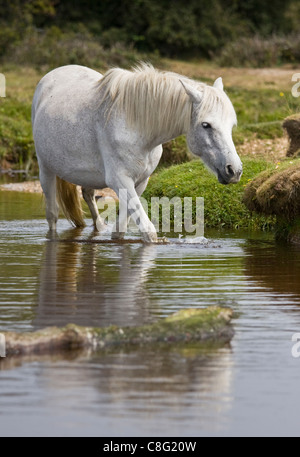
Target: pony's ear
(193,93)
(218,84)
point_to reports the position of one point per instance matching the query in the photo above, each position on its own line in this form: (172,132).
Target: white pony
(107,131)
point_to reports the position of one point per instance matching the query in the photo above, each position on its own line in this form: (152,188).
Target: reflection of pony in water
(98,132)
(93,284)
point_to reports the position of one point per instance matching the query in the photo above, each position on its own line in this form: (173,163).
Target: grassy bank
(223,204)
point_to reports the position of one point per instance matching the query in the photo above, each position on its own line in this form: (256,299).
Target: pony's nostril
(229,170)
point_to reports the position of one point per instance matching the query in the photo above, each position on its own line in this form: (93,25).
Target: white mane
(154,101)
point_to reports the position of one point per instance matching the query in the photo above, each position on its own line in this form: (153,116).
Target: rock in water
(187,325)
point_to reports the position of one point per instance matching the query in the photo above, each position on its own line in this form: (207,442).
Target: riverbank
(34,187)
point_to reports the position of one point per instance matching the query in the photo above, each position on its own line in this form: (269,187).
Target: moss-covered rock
(187,325)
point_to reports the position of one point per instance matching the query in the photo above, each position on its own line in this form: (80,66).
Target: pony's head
(210,132)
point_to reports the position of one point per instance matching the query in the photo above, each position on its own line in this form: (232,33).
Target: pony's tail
(69,201)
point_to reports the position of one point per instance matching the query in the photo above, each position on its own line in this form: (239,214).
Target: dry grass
(273,150)
(247,78)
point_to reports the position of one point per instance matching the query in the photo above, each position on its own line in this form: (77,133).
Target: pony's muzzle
(229,175)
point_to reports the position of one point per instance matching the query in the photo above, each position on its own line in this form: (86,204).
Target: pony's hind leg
(48,183)
(89,197)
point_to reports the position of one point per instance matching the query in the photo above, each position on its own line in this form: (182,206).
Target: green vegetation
(260,112)
(39,35)
(259,51)
(223,204)
(16,143)
(53,48)
(170,28)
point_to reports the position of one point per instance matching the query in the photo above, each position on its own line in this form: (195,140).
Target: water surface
(249,387)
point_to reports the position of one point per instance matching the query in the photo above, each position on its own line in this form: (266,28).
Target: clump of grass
(276,191)
(223,204)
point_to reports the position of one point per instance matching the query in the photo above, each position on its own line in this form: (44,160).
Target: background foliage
(173,28)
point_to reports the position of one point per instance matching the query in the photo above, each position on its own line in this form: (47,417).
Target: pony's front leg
(122,222)
(130,206)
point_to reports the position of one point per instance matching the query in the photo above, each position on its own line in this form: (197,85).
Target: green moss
(223,204)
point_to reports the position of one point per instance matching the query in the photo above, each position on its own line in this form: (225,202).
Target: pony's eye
(206,125)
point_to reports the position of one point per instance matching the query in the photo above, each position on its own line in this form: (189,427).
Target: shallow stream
(250,387)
